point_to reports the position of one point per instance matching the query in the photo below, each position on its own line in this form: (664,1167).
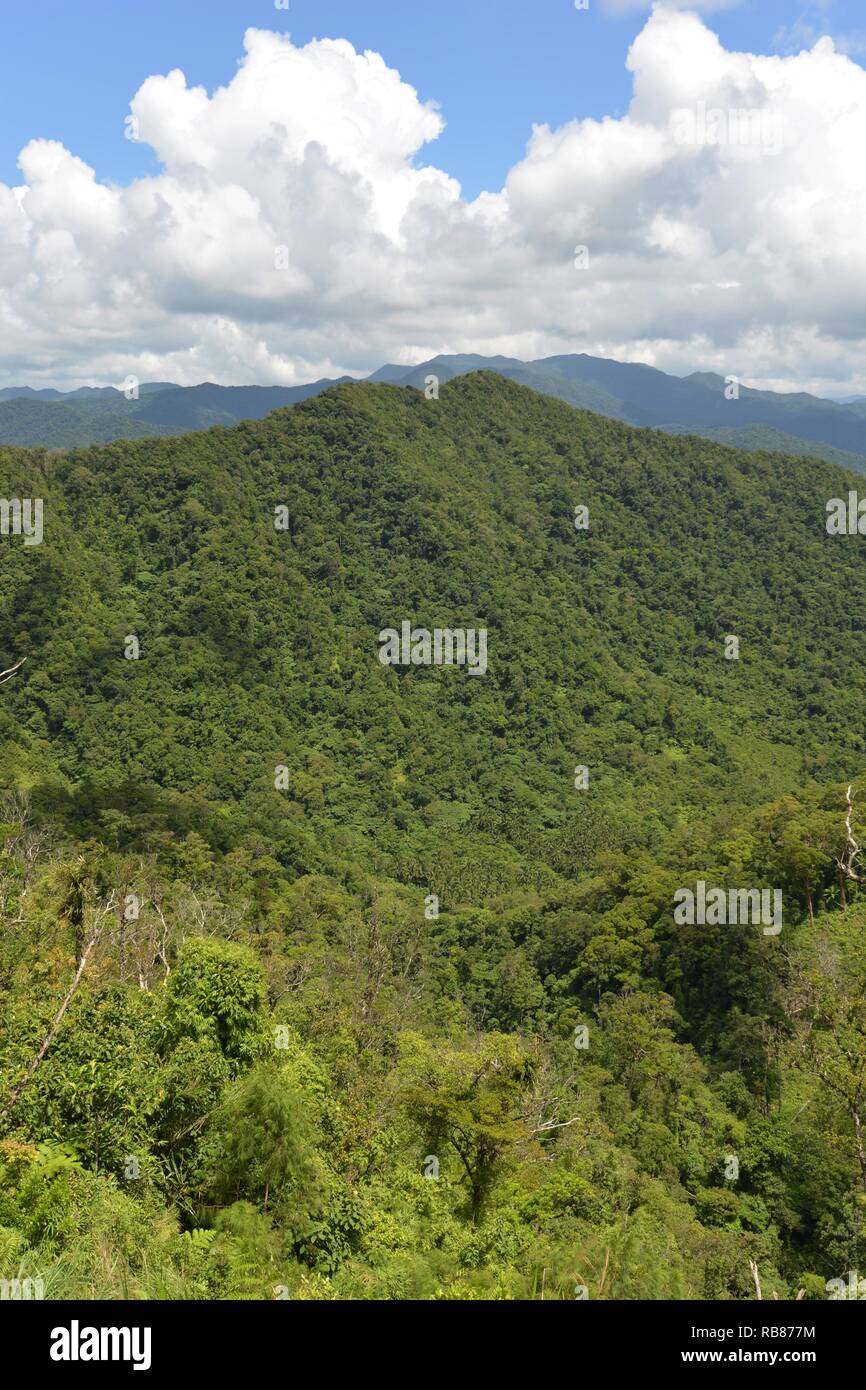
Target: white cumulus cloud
(294,229)
(619,7)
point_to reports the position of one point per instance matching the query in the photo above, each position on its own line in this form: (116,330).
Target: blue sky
(68,71)
(291,209)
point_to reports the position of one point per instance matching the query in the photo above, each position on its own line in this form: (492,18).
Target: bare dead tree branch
(845,862)
(552,1124)
(757,1278)
(801,1293)
(8,674)
(58,1018)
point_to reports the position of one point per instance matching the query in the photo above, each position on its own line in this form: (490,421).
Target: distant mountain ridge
(795,423)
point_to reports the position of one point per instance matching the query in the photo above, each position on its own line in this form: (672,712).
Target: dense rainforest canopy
(328,979)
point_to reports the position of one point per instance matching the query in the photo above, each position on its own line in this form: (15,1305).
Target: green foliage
(469,1100)
(278,1076)
(266,1142)
(216,994)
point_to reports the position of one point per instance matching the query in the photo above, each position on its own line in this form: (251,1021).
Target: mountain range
(349,919)
(786,422)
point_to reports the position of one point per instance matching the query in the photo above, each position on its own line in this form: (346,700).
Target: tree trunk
(858,1140)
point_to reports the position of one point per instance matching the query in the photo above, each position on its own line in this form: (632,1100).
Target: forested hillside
(375,988)
(58,426)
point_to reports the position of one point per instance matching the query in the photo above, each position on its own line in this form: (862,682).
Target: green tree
(471,1099)
(267,1143)
(216,992)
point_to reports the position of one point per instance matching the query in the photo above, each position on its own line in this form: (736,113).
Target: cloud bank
(294,229)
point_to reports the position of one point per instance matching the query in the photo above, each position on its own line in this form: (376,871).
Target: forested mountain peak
(386,743)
